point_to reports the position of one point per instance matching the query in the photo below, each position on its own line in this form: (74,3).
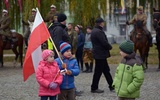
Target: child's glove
(64,65)
(53,85)
(68,72)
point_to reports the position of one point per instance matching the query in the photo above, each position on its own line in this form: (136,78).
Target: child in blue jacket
(71,69)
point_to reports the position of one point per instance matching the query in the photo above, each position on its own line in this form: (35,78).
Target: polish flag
(39,35)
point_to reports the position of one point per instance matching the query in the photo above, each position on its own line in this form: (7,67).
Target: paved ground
(12,86)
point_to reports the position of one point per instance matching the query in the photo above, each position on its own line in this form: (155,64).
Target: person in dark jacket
(58,32)
(80,44)
(100,51)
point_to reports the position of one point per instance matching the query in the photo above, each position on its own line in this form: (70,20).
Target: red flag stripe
(33,55)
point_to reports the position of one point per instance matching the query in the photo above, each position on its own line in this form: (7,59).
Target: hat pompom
(64,46)
(127,46)
(46,53)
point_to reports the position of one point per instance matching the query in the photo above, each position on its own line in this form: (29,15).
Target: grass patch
(115,55)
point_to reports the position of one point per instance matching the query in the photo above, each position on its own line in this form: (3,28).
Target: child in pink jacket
(48,76)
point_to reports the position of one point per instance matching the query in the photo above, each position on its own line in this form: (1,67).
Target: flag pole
(55,46)
(56,50)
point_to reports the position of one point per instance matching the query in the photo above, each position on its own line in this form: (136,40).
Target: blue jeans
(46,97)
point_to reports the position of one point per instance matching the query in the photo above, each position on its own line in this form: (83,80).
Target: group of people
(129,75)
(56,77)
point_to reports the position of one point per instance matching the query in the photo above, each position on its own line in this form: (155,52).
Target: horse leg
(158,57)
(20,49)
(26,41)
(1,57)
(146,60)
(143,58)
(16,55)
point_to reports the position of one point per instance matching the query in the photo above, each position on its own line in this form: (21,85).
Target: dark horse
(141,42)
(156,25)
(5,45)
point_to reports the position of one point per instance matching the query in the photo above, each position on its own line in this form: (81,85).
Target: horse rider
(5,26)
(142,17)
(31,18)
(52,15)
(30,24)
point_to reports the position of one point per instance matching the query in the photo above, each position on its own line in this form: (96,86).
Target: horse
(156,25)
(6,45)
(141,42)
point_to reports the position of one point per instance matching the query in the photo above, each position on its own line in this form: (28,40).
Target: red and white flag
(39,35)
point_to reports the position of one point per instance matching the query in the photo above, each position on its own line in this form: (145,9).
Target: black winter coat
(58,34)
(100,43)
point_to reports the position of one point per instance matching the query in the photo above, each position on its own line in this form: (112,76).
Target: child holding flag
(71,69)
(48,76)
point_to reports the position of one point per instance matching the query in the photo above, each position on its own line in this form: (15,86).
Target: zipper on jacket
(67,75)
(122,78)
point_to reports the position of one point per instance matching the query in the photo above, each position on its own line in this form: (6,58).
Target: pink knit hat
(46,53)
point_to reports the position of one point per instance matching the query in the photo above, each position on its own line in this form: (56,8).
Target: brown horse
(156,25)
(141,42)
(5,45)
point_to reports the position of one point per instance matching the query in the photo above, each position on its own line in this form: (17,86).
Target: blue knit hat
(64,46)
(127,46)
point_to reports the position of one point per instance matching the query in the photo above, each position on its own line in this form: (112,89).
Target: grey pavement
(12,86)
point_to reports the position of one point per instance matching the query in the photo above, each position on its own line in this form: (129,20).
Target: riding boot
(150,39)
(26,42)
(87,67)
(132,33)
(91,67)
